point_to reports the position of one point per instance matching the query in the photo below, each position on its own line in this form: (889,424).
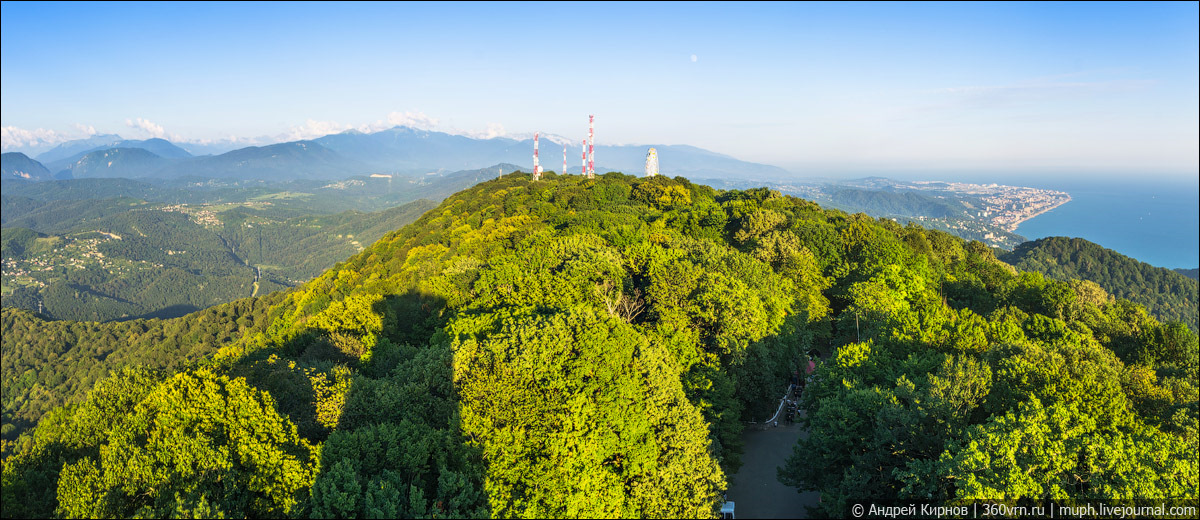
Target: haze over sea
(1154,220)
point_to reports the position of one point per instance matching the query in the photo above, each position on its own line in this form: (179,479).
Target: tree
(197,439)
(584,403)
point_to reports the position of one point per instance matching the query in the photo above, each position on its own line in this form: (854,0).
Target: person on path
(812,365)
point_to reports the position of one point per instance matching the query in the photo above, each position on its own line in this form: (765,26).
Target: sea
(1153,220)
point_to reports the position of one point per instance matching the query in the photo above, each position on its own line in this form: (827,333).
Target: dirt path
(755,489)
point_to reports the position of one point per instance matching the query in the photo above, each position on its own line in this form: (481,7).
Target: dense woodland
(588,348)
(998,386)
(1168,295)
(50,363)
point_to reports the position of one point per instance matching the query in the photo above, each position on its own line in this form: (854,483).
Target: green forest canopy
(1168,295)
(575,347)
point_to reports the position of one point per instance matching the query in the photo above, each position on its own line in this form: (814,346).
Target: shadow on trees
(386,410)
(165,313)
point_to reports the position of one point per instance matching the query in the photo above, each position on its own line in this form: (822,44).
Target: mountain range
(398,150)
(68,153)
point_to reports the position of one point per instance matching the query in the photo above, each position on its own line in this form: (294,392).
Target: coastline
(1012,228)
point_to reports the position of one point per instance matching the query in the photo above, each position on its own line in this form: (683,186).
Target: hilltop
(1167,294)
(17,165)
(575,347)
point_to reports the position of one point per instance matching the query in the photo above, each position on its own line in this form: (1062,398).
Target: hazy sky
(1081,87)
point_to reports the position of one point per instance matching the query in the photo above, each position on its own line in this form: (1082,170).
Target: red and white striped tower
(537,169)
(591,168)
(583,158)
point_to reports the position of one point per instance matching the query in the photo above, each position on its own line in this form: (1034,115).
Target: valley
(105,249)
(166,260)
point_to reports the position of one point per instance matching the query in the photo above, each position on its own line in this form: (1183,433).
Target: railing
(774,420)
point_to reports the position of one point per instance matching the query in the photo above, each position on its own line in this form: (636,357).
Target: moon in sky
(694,58)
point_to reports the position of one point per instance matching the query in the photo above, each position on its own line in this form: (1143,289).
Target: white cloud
(145,125)
(231,140)
(312,129)
(493,130)
(20,138)
(694,58)
(412,119)
(12,137)
(558,139)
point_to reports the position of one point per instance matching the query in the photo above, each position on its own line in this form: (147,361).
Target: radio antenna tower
(583,158)
(591,167)
(564,170)
(652,163)
(537,168)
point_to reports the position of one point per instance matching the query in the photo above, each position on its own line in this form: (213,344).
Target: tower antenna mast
(591,166)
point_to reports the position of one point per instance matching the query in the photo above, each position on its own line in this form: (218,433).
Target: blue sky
(815,88)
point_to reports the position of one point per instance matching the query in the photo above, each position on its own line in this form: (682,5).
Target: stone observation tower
(652,163)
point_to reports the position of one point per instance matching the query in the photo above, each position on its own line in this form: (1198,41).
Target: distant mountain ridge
(283,161)
(113,162)
(159,147)
(400,149)
(78,146)
(16,165)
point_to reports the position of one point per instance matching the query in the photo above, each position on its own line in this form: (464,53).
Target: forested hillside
(126,258)
(51,363)
(892,203)
(592,348)
(1167,294)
